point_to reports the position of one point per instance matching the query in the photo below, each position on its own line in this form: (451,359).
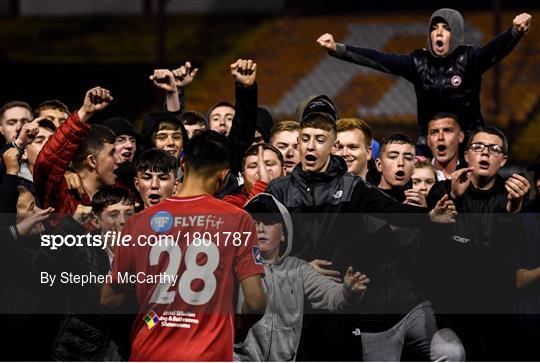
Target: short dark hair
(157,161)
(193,118)
(396,138)
(208,153)
(109,196)
(441,115)
(221,104)
(168,121)
(47,124)
(491,131)
(51,105)
(92,144)
(319,120)
(12,104)
(254,150)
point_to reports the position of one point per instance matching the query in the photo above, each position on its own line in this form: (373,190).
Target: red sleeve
(245,259)
(259,187)
(53,160)
(238,200)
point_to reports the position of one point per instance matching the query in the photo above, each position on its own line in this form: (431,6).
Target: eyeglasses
(494,149)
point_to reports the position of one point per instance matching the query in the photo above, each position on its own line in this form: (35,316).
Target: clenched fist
(164,79)
(327,41)
(522,22)
(96,99)
(244,71)
(184,74)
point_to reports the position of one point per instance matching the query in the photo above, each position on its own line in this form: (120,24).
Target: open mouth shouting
(127,155)
(441,149)
(399,175)
(311,159)
(484,164)
(439,46)
(154,198)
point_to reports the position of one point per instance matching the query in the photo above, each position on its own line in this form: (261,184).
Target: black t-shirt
(471,265)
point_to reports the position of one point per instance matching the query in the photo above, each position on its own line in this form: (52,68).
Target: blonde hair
(426,164)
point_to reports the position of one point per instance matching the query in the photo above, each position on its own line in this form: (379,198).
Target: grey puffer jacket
(275,337)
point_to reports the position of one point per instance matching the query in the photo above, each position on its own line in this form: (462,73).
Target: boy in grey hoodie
(287,281)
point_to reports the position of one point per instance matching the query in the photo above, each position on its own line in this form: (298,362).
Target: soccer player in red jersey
(185,283)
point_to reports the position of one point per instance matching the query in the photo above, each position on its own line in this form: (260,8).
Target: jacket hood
(455,21)
(269,207)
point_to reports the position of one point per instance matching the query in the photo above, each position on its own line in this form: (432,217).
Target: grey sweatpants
(418,329)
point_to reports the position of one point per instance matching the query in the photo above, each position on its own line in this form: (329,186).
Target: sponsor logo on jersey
(257,255)
(151,319)
(161,221)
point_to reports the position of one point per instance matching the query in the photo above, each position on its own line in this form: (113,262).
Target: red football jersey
(198,249)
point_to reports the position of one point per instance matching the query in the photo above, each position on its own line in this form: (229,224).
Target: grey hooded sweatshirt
(275,337)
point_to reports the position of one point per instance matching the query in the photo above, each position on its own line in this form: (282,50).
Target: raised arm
(55,157)
(396,64)
(242,131)
(183,75)
(499,47)
(164,79)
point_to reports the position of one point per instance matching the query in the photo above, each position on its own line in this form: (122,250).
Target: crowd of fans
(416,249)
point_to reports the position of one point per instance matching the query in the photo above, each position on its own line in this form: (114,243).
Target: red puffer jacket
(52,163)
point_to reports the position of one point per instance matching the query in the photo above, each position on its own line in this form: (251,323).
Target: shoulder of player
(225,207)
(149,211)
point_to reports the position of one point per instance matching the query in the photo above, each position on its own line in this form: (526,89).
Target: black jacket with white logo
(329,212)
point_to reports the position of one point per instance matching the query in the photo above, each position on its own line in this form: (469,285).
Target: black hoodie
(442,84)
